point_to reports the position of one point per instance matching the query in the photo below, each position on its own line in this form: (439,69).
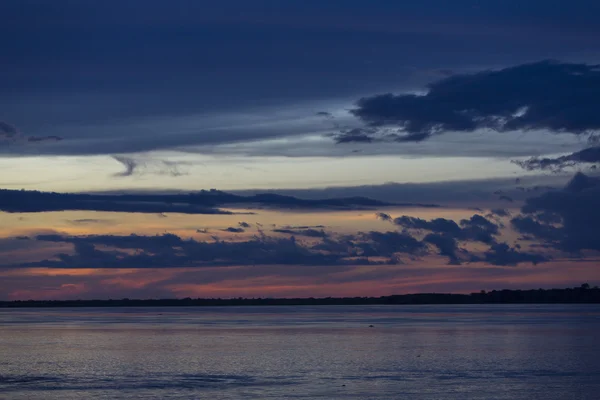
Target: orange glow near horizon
(258,281)
(429,273)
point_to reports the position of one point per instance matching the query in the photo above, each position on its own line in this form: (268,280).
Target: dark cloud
(303,232)
(203,202)
(44,138)
(7,131)
(447,245)
(590,155)
(232,229)
(86,221)
(326,249)
(384,216)
(439,225)
(110,95)
(503,254)
(568,219)
(244,224)
(168,250)
(465,193)
(499,212)
(18,201)
(303,226)
(510,99)
(129,163)
(141,165)
(389,243)
(446,234)
(477,228)
(356,135)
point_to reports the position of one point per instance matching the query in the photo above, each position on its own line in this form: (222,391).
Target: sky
(193,148)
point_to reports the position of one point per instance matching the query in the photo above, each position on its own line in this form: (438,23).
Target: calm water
(417,352)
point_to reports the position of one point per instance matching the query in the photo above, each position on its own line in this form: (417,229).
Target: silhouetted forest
(581,294)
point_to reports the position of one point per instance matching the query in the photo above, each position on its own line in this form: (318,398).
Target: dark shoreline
(578,295)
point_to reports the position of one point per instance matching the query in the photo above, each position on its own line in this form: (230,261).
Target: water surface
(302,352)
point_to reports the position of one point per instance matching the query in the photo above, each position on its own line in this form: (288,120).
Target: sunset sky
(421,146)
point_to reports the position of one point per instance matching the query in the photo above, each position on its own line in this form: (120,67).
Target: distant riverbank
(581,294)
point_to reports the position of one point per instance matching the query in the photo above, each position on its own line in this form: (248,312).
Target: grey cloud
(11,134)
(499,212)
(18,201)
(232,229)
(141,165)
(503,254)
(302,226)
(477,228)
(227,62)
(388,243)
(440,225)
(356,135)
(509,99)
(129,164)
(85,221)
(7,131)
(590,155)
(447,245)
(466,193)
(384,216)
(53,138)
(169,250)
(303,232)
(568,219)
(203,202)
(446,234)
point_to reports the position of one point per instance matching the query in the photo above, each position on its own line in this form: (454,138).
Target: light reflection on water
(330,352)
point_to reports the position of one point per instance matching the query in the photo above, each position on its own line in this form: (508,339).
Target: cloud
(232,229)
(303,232)
(591,155)
(168,250)
(389,243)
(384,216)
(303,226)
(86,221)
(44,138)
(499,212)
(477,228)
(203,202)
(447,245)
(11,134)
(466,193)
(18,201)
(567,219)
(323,248)
(503,254)
(142,165)
(356,135)
(7,131)
(440,225)
(511,99)
(446,235)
